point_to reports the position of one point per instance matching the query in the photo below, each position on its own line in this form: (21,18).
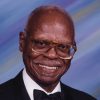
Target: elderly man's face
(46,67)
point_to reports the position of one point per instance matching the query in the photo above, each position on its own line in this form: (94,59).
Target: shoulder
(11,84)
(75,94)
(7,85)
(10,89)
(7,90)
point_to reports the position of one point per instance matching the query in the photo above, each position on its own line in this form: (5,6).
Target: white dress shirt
(31,85)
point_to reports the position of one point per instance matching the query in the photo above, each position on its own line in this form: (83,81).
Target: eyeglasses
(64,51)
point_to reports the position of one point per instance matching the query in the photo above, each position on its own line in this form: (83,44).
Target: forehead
(51,26)
(53,32)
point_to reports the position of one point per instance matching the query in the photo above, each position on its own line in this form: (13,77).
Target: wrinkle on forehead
(55,30)
(51,17)
(47,12)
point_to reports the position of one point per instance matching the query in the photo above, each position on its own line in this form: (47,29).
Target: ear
(22,38)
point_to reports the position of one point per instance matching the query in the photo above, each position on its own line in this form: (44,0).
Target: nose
(51,53)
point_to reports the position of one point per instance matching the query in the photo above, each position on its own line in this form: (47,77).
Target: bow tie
(40,95)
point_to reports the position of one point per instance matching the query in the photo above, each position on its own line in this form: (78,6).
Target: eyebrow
(46,40)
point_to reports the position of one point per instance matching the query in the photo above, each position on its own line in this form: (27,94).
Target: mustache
(49,62)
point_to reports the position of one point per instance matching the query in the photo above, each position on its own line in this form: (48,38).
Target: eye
(40,43)
(63,47)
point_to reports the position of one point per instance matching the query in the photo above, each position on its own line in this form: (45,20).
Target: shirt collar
(31,85)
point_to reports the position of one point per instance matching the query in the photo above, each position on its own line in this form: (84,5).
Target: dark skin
(52,25)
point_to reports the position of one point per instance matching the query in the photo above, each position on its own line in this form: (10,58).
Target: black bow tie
(40,95)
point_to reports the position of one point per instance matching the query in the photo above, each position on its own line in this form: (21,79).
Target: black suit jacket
(14,89)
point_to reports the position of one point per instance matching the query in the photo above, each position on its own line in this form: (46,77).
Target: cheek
(66,65)
(28,57)
(29,53)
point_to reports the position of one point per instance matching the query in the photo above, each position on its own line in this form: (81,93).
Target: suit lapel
(65,90)
(21,91)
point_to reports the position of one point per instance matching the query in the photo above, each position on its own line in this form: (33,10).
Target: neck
(48,87)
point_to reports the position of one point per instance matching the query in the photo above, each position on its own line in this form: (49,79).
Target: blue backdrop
(84,73)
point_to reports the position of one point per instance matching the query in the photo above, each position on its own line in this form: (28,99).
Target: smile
(48,67)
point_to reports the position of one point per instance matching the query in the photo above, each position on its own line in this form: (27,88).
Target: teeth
(48,67)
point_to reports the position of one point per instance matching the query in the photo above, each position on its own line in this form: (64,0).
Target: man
(48,46)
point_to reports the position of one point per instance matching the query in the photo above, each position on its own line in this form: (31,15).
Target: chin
(49,81)
(45,80)
(44,75)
